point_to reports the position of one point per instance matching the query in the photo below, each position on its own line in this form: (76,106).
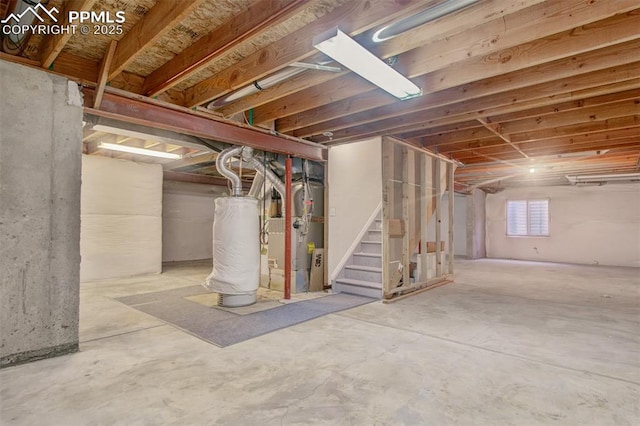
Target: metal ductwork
(268,173)
(430,14)
(221,160)
(256,86)
(247,155)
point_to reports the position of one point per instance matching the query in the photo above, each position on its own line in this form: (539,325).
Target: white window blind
(516,218)
(528,218)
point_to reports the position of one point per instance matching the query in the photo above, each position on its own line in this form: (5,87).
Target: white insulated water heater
(236,251)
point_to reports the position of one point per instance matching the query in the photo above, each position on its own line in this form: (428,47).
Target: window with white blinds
(528,218)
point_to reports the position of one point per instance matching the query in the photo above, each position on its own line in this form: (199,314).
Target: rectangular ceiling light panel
(140,151)
(352,55)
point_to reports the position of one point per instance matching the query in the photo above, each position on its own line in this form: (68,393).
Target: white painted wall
(355,190)
(588,225)
(121,214)
(187,221)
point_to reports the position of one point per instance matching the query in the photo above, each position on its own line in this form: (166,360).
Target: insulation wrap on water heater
(236,246)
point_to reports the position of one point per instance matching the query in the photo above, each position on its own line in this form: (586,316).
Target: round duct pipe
(258,85)
(221,165)
(430,14)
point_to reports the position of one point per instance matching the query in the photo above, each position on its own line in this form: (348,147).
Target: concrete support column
(476,225)
(40,162)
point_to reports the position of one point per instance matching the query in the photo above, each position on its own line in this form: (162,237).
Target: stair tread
(364,268)
(359,283)
(375,230)
(368,254)
(371,242)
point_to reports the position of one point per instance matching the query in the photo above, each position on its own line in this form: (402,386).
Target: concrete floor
(508,343)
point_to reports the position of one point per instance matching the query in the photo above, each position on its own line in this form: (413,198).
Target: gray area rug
(223,328)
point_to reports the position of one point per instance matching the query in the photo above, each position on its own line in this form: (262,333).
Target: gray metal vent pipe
(221,160)
(247,155)
(273,178)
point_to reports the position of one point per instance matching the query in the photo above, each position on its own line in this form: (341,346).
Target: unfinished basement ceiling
(508,86)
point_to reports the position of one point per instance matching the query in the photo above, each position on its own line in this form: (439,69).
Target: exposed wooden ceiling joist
(200,178)
(221,40)
(54,43)
(441,28)
(501,79)
(552,49)
(354,17)
(401,120)
(103,74)
(156,23)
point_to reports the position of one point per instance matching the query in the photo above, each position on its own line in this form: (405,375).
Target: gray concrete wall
(40,161)
(187,220)
(476,219)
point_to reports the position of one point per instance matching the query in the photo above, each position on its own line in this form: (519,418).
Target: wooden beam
(335,90)
(466,152)
(254,20)
(577,129)
(148,112)
(103,74)
(528,109)
(353,17)
(462,150)
(199,178)
(495,130)
(582,115)
(81,70)
(536,150)
(438,134)
(186,162)
(440,28)
(474,170)
(160,19)
(622,152)
(540,25)
(418,114)
(53,44)
(608,65)
(561,47)
(517,41)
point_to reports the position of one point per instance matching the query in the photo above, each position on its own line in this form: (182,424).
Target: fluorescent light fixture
(140,151)
(617,177)
(137,131)
(343,49)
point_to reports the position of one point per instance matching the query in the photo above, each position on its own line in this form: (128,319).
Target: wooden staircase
(362,275)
